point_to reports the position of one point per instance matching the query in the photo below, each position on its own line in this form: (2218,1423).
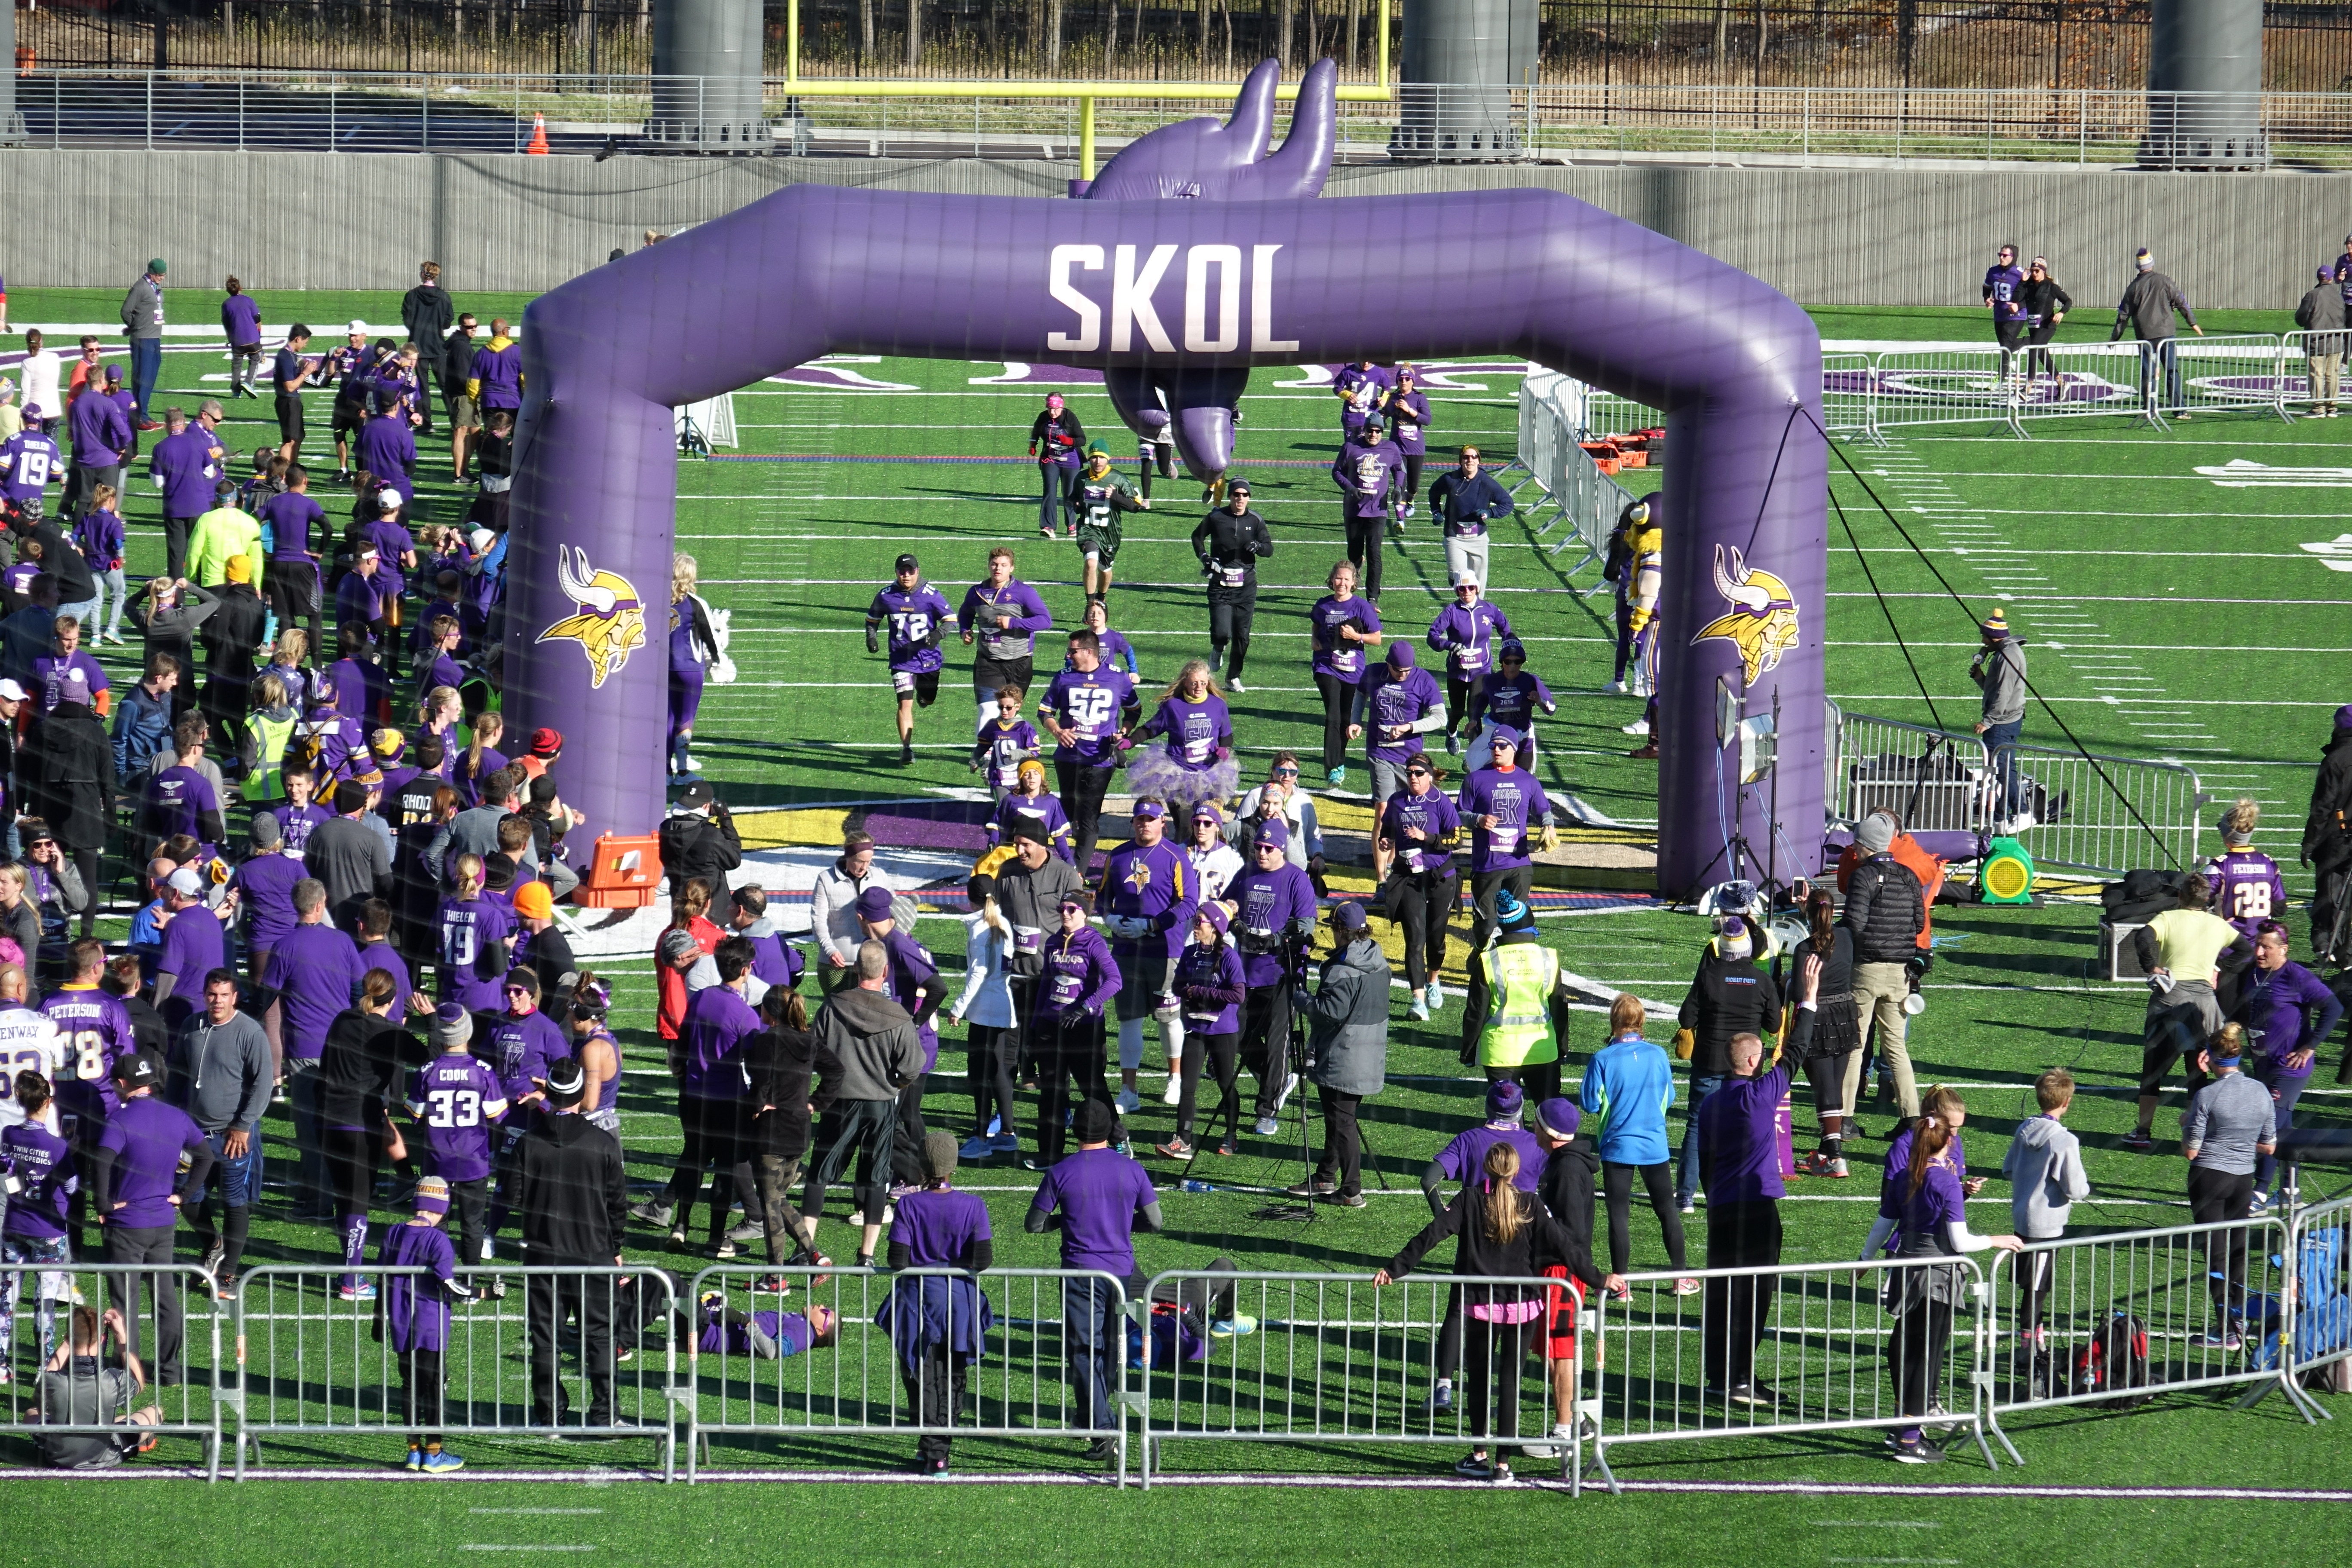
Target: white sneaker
(1268,1127)
(1417,1010)
(1638,727)
(1289,1086)
(2017,824)
(1615,689)
(1236,686)
(1435,996)
(1129,1100)
(1175,1090)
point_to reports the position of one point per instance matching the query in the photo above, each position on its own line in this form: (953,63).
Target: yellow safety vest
(266,780)
(1521,977)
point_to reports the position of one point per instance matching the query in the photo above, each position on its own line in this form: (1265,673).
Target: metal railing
(165,1307)
(1003,1354)
(1931,778)
(1555,413)
(314,1361)
(2095,813)
(2118,1321)
(1333,1359)
(458,109)
(1780,1349)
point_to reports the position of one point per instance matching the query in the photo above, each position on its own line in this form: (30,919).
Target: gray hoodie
(1348,1020)
(2045,1169)
(875,1040)
(2000,671)
(222,1076)
(142,310)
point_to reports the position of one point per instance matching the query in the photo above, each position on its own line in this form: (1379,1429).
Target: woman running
(1344,625)
(1196,763)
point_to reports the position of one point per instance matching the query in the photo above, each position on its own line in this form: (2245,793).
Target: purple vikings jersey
(913,617)
(473,963)
(2001,286)
(1002,750)
(416,1306)
(29,459)
(457,1097)
(1088,704)
(96,1025)
(2247,888)
(1364,390)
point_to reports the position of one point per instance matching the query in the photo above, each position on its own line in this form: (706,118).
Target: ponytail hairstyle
(2228,1045)
(1506,1212)
(1939,1100)
(487,724)
(2238,822)
(1821,913)
(1930,1136)
(469,876)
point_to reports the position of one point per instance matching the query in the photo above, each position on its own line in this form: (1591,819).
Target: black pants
(176,548)
(1064,1057)
(993,1055)
(1412,461)
(150,1244)
(1225,1067)
(1422,903)
(1457,703)
(2216,1197)
(935,1392)
(548,1298)
(1338,704)
(1364,534)
(1738,1236)
(2331,890)
(427,388)
(1493,1357)
(423,1385)
(2037,356)
(1083,788)
(1827,1076)
(863,1128)
(1343,1142)
(778,1174)
(2009,335)
(2036,1273)
(1537,1081)
(1617,1186)
(1484,886)
(1265,1040)
(292,591)
(990,675)
(714,1137)
(1231,613)
(470,1201)
(351,1154)
(907,1141)
(1915,1352)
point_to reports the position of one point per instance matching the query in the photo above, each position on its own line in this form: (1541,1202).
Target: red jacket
(671,983)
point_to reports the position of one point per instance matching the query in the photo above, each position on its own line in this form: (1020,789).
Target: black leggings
(1338,705)
(422,1384)
(712,1138)
(991,1052)
(1493,1356)
(1617,1183)
(1915,1352)
(1222,1054)
(2037,354)
(1423,902)
(1827,1075)
(1364,535)
(1412,461)
(1231,612)
(1457,703)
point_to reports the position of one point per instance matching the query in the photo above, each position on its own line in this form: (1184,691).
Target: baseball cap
(907,563)
(1274,833)
(13,693)
(187,882)
(1346,916)
(533,900)
(1148,811)
(546,742)
(697,794)
(137,1070)
(1504,1097)
(355,327)
(566,1082)
(389,497)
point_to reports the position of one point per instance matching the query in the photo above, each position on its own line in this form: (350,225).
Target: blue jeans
(54,1287)
(146,365)
(238,1178)
(1092,1342)
(2000,744)
(1053,483)
(1686,1167)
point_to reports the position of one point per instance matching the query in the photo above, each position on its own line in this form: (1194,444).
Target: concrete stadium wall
(1850,235)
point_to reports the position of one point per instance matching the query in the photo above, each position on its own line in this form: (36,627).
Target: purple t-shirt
(525,1048)
(1516,802)
(1391,700)
(68,677)
(1088,704)
(457,1097)
(148,1137)
(176,801)
(416,1306)
(1433,815)
(294,822)
(392,540)
(375,955)
(1465,1159)
(193,949)
(1332,655)
(938,1227)
(1194,730)
(291,518)
(99,536)
(1269,901)
(359,599)
(43,1164)
(473,963)
(316,971)
(1738,1138)
(266,886)
(241,320)
(501,373)
(1099,1191)
(911,969)
(716,1020)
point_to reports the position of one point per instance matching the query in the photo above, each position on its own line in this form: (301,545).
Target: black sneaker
(1753,1394)
(1317,1188)
(1918,1453)
(1102,1450)
(905,754)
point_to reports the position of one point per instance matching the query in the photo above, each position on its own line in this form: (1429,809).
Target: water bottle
(1193,1185)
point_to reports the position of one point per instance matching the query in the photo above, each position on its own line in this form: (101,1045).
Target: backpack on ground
(2115,1357)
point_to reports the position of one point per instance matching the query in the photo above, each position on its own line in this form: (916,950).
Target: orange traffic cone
(538,135)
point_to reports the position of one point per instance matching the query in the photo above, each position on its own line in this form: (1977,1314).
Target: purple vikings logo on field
(611,618)
(1763,620)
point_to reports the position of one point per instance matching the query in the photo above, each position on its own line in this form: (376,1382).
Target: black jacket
(2327,829)
(575,1193)
(1728,996)
(706,846)
(428,311)
(61,560)
(1884,908)
(1565,1188)
(1225,540)
(68,775)
(1541,1240)
(795,1078)
(232,637)
(2044,299)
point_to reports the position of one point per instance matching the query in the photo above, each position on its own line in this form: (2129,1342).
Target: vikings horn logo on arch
(1762,622)
(608,620)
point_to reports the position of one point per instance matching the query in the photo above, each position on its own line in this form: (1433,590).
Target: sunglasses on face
(1416,773)
(1286,773)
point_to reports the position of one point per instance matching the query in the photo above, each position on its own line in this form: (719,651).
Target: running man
(1100,493)
(917,615)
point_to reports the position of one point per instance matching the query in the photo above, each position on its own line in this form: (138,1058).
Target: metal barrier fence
(2120,1319)
(173,1327)
(315,1362)
(2095,813)
(1932,779)
(1554,414)
(1015,1353)
(1780,1349)
(1949,384)
(1334,1359)
(2296,351)
(2320,1245)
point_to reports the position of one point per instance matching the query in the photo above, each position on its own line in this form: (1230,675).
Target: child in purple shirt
(412,1319)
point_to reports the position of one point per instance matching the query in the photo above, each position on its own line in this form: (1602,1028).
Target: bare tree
(914,33)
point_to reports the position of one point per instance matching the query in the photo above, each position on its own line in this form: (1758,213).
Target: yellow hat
(239,569)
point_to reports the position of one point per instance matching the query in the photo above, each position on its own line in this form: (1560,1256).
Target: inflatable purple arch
(1196,255)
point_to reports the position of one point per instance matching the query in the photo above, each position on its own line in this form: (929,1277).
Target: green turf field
(2169,616)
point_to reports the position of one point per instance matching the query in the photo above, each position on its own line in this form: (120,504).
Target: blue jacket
(1628,1084)
(142,727)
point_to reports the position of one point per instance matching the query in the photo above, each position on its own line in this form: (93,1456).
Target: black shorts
(348,418)
(923,688)
(992,675)
(289,418)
